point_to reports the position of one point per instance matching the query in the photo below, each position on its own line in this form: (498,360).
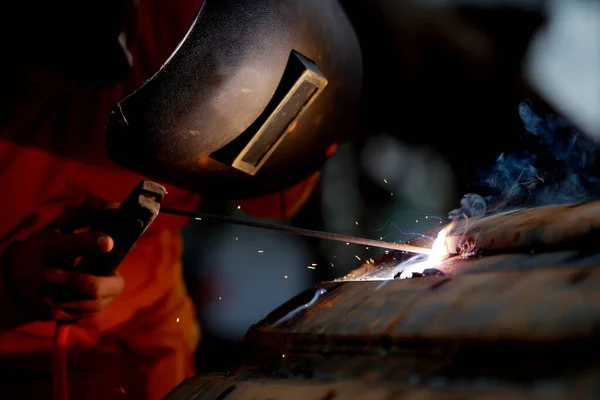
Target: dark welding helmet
(250,101)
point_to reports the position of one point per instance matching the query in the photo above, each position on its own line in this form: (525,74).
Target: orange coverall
(52,155)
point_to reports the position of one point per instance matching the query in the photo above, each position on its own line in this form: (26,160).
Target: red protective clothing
(52,155)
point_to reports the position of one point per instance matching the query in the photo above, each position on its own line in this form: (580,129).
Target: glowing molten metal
(421,263)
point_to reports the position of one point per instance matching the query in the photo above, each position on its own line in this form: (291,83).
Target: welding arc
(299,231)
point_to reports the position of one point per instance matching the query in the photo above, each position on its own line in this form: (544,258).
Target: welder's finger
(86,286)
(63,316)
(84,307)
(56,314)
(79,244)
(80,216)
(67,221)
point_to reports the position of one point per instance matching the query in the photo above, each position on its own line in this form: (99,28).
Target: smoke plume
(558,166)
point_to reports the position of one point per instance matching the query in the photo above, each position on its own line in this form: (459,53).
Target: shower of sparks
(391,225)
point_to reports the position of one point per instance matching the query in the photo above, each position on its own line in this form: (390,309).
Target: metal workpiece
(517,324)
(518,334)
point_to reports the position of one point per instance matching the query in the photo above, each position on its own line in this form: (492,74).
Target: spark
(331,264)
(421,263)
(385,180)
(417,221)
(310,267)
(239,207)
(367,248)
(387,252)
(356,222)
(314,264)
(381,238)
(177,320)
(260,251)
(347,244)
(393,225)
(285,277)
(237,238)
(357,257)
(198,219)
(283,356)
(220,298)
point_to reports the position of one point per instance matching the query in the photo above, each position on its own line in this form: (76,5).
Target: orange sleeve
(10,317)
(281,205)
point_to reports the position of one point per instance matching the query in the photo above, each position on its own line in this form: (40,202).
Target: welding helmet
(250,101)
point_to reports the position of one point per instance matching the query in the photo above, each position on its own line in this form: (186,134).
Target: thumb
(67,221)
(76,245)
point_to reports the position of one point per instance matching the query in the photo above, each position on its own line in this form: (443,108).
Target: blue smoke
(559,167)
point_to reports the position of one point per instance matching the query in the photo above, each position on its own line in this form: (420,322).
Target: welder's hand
(40,272)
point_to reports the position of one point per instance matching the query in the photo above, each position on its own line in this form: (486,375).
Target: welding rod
(299,231)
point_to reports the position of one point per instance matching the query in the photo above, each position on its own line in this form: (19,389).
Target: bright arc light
(438,253)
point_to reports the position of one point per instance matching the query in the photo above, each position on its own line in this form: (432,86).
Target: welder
(135,331)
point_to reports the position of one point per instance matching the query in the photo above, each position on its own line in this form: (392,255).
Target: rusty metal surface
(507,262)
(221,388)
(532,305)
(509,334)
(514,326)
(506,326)
(568,226)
